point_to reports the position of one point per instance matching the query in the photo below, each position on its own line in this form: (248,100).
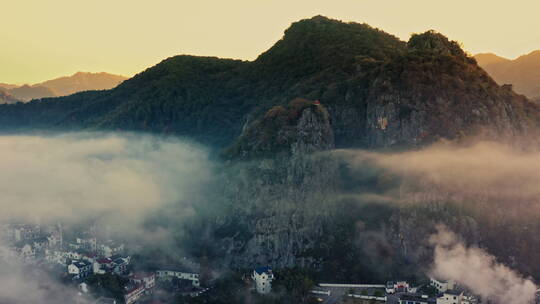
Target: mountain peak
(433,41)
(319,43)
(489,58)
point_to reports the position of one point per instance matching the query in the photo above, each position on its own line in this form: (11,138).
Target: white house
(179,274)
(26,232)
(133,293)
(54,240)
(110,248)
(397,286)
(83,287)
(80,269)
(55,256)
(90,257)
(40,244)
(102,266)
(148,280)
(263,278)
(120,265)
(27,252)
(73,255)
(89,243)
(442,285)
(450,297)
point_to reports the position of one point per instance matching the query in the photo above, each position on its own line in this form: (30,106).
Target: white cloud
(477,270)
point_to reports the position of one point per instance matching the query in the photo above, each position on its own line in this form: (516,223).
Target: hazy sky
(46,39)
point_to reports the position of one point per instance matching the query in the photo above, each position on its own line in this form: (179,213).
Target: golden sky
(44,39)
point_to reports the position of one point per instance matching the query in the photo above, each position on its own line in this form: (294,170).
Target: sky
(42,40)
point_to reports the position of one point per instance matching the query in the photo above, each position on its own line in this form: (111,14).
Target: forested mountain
(379,91)
(523,72)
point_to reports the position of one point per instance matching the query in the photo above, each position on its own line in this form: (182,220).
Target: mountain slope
(523,72)
(6,98)
(485,59)
(27,93)
(378,90)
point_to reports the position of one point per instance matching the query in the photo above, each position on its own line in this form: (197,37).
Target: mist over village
(265,152)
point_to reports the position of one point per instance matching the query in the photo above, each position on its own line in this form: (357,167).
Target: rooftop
(453,292)
(413,297)
(263,269)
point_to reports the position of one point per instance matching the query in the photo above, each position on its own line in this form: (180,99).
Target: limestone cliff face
(436,91)
(397,120)
(300,129)
(290,203)
(288,199)
(281,202)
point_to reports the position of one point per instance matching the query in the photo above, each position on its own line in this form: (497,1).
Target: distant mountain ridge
(82,81)
(63,86)
(523,72)
(27,92)
(6,98)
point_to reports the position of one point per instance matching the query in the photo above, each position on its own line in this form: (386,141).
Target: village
(393,292)
(83,256)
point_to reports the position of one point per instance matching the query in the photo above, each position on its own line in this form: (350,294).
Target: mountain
(282,197)
(6,98)
(7,86)
(82,81)
(64,86)
(379,91)
(523,72)
(27,93)
(485,59)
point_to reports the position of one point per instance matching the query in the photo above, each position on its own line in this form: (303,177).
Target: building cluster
(447,292)
(84,254)
(398,292)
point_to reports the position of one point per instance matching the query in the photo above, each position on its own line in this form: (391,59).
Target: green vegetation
(107,285)
(274,132)
(345,65)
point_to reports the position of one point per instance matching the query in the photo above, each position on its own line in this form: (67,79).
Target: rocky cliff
(301,128)
(281,191)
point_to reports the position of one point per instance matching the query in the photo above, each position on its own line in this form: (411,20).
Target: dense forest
(347,66)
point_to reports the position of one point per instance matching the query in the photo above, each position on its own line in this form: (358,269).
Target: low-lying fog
(124,180)
(118,180)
